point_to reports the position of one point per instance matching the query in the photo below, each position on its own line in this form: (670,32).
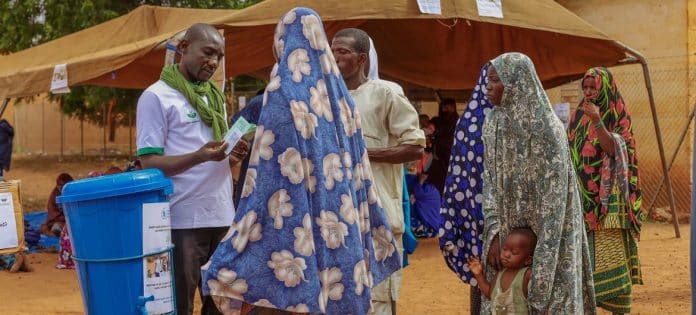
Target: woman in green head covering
(603,149)
(530,182)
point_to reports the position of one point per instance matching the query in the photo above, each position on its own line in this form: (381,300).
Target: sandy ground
(429,286)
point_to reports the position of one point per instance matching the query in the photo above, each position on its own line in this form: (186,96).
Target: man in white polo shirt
(181,121)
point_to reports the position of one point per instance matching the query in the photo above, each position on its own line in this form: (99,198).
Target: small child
(509,293)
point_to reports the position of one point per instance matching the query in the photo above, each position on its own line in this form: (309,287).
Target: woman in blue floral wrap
(309,235)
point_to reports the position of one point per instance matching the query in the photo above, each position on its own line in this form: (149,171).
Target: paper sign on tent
(59,81)
(429,6)
(492,8)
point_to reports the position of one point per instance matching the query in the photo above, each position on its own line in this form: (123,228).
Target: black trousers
(192,249)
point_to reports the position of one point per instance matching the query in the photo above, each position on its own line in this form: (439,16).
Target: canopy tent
(422,52)
(443,52)
(99,50)
(440,52)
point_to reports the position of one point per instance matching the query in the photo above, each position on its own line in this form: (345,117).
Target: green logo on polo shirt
(191,116)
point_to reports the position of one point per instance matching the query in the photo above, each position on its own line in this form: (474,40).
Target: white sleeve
(151,125)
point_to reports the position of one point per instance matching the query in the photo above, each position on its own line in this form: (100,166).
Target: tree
(32,22)
(29,23)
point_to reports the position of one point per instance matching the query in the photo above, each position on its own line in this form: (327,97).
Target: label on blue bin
(157,276)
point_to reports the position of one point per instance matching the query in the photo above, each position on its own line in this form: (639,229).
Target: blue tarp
(32,233)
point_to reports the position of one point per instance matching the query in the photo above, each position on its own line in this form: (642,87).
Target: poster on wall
(8,225)
(157,276)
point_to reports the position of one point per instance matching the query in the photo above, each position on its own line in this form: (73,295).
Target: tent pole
(5,102)
(43,126)
(674,157)
(438,96)
(658,133)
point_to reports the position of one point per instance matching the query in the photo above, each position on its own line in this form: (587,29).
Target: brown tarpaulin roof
(100,50)
(440,52)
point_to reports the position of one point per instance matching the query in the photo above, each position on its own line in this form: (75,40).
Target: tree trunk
(62,134)
(104,121)
(112,129)
(111,120)
(43,127)
(130,134)
(82,133)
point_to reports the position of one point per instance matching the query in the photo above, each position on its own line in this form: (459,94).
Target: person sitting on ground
(65,252)
(509,292)
(134,165)
(425,206)
(14,263)
(55,221)
(95,174)
(113,170)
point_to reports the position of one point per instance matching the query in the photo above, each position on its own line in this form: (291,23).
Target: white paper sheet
(8,224)
(236,132)
(59,82)
(157,276)
(429,6)
(492,8)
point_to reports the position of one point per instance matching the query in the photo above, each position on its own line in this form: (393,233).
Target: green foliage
(27,23)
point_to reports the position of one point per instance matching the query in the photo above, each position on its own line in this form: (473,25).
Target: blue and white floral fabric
(309,234)
(461,209)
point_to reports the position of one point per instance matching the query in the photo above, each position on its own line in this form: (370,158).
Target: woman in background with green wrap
(604,156)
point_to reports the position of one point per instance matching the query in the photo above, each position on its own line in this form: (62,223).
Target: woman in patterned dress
(530,182)
(601,140)
(460,236)
(309,235)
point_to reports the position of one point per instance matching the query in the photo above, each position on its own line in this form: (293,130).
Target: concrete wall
(38,131)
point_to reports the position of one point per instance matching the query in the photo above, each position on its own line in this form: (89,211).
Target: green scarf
(213,112)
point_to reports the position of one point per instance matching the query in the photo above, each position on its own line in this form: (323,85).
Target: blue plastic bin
(104,217)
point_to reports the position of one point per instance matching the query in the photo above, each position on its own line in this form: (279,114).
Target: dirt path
(429,286)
